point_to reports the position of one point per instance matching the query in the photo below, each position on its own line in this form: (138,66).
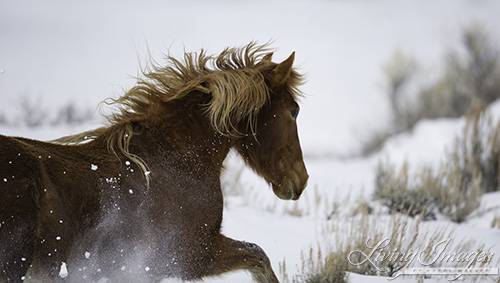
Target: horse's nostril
(293,190)
(293,187)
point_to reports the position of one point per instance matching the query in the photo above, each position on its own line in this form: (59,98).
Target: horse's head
(274,151)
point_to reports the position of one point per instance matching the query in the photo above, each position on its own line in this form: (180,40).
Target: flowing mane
(234,79)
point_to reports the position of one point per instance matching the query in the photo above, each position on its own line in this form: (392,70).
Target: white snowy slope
(55,52)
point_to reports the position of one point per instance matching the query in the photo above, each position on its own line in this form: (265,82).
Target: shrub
(471,75)
(33,113)
(476,74)
(477,151)
(70,114)
(318,269)
(400,72)
(388,241)
(355,237)
(455,189)
(399,195)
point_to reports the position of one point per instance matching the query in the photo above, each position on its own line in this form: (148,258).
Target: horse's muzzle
(289,190)
(293,189)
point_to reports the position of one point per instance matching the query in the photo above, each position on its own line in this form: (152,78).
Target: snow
(54,54)
(427,142)
(63,272)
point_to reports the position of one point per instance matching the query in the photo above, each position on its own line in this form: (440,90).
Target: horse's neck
(187,135)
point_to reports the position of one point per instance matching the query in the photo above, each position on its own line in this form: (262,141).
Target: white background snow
(59,51)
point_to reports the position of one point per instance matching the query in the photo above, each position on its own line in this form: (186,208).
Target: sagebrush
(470,169)
(391,242)
(471,74)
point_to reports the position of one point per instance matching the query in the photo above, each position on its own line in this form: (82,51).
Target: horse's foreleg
(16,252)
(46,264)
(233,255)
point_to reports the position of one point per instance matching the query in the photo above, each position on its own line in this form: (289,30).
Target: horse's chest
(194,201)
(171,202)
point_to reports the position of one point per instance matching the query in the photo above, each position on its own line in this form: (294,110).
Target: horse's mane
(234,79)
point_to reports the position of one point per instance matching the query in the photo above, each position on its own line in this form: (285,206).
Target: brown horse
(141,199)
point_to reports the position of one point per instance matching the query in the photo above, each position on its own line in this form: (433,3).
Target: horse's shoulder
(18,166)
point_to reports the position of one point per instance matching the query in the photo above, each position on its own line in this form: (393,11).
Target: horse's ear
(282,70)
(267,57)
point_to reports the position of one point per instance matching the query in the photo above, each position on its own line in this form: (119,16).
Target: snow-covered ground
(58,51)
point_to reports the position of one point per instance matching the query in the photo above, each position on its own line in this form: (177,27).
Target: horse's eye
(295,113)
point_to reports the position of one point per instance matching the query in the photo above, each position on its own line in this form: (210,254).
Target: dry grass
(318,269)
(496,222)
(471,168)
(399,193)
(390,242)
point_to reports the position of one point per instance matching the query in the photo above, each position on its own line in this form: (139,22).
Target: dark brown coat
(141,198)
